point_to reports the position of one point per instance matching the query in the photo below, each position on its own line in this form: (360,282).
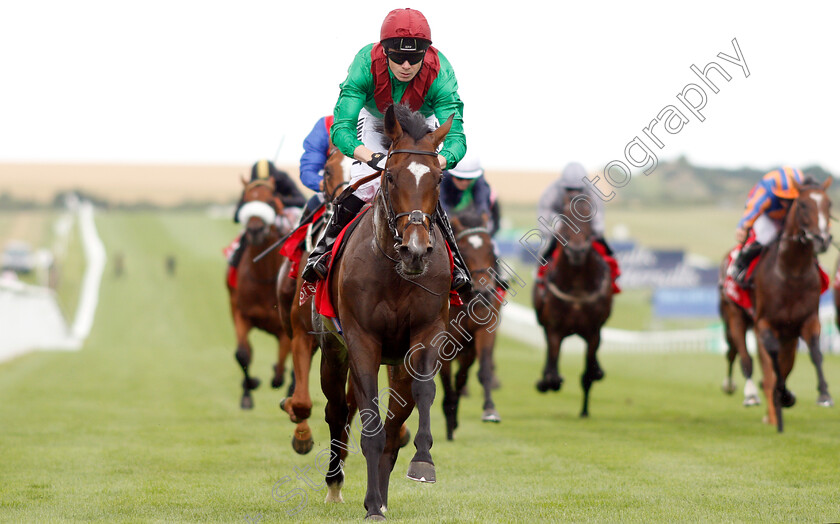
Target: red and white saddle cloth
(615,271)
(742,296)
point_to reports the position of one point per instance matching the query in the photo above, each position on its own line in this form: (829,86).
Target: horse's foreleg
(423,366)
(773,380)
(243,357)
(484,343)
(284,347)
(400,404)
(592,371)
(333,378)
(299,406)
(552,379)
(450,399)
(811,334)
(364,376)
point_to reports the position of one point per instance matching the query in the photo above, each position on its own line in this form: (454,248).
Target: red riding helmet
(406,24)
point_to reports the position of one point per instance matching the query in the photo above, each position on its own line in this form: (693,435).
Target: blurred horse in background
(473,338)
(576,298)
(253,303)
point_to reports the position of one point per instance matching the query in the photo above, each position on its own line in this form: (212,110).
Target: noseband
(415,217)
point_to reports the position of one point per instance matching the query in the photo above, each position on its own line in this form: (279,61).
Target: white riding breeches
(766,229)
(370,133)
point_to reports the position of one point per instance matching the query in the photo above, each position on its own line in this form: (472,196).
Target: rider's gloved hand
(377,161)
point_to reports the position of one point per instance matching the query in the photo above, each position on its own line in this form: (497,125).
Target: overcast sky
(225,82)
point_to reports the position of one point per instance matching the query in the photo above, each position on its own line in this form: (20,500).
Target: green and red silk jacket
(434,86)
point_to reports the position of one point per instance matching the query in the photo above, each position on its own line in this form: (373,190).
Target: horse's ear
(485,218)
(456,223)
(242,178)
(827,182)
(272,182)
(393,129)
(440,133)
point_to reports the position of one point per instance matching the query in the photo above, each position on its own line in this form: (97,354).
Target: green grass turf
(143,424)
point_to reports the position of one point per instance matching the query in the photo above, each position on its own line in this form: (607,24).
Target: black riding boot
(236,256)
(346,209)
(603,242)
(548,250)
(742,263)
(461,281)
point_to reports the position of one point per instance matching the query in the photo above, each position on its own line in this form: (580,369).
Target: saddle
(304,235)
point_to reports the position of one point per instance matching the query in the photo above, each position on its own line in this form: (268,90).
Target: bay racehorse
(576,297)
(473,338)
(253,303)
(787,287)
(296,314)
(736,322)
(390,288)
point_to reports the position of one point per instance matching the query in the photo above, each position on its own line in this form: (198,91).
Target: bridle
(415,217)
(804,236)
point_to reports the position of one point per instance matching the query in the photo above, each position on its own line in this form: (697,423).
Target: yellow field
(173,184)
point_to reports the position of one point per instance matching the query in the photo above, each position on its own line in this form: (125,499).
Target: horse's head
(336,173)
(259,210)
(411,184)
(573,228)
(809,216)
(476,245)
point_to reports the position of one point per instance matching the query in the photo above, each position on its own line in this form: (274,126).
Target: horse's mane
(809,182)
(413,123)
(470,218)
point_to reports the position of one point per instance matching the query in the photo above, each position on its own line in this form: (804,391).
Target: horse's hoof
(787,399)
(246,403)
(584,414)
(405,438)
(302,447)
(553,384)
(334,493)
(729,387)
(465,392)
(751,400)
(421,472)
(598,374)
(491,415)
(277,382)
(825,401)
(376,517)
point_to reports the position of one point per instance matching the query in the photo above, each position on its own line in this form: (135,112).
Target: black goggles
(400,57)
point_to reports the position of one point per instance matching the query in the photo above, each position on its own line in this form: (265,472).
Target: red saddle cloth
(293,247)
(231,271)
(615,271)
(323,302)
(741,296)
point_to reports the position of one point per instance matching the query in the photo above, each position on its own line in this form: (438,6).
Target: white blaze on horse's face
(475,241)
(418,170)
(823,219)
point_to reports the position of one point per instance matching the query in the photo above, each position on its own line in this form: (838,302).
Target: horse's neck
(266,267)
(570,277)
(794,258)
